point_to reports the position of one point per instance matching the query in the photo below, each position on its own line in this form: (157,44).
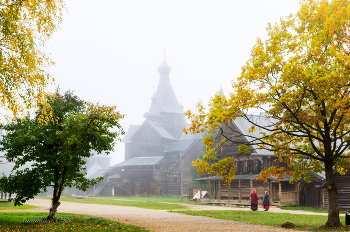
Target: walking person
(266,202)
(254,201)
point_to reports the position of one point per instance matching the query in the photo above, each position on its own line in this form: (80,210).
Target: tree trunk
(55,201)
(333,208)
(53,209)
(57,191)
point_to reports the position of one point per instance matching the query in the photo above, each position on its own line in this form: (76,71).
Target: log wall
(342,182)
(147,143)
(311,196)
(173,180)
(233,192)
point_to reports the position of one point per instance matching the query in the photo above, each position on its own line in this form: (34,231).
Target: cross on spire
(164,54)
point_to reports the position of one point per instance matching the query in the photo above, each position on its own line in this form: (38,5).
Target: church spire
(164,69)
(164,54)
(165,110)
(164,99)
(221,92)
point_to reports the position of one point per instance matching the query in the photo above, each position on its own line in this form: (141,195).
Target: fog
(109,51)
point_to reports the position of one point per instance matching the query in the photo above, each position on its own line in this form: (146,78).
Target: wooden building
(249,166)
(311,195)
(180,170)
(342,182)
(158,156)
(6,170)
(238,191)
(139,176)
(4,167)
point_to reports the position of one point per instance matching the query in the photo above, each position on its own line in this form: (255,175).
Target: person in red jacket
(254,201)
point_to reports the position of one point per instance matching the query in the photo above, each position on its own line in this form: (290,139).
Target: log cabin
(342,183)
(249,165)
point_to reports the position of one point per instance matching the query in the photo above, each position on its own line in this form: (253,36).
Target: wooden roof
(180,145)
(130,132)
(237,177)
(140,161)
(244,126)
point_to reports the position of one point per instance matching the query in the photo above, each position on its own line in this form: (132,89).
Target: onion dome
(164,68)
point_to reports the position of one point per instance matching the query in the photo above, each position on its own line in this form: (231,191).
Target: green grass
(155,199)
(67,222)
(302,222)
(10,206)
(310,209)
(140,203)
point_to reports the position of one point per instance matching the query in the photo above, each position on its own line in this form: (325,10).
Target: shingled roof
(244,125)
(180,145)
(140,161)
(132,129)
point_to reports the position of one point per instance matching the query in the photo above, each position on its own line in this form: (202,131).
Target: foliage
(299,78)
(72,222)
(303,222)
(57,143)
(25,27)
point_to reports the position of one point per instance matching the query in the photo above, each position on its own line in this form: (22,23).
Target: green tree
(25,27)
(57,141)
(300,78)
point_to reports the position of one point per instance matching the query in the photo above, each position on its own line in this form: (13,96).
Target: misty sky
(108,51)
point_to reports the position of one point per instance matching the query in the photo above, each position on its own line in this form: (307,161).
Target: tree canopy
(25,27)
(299,78)
(57,142)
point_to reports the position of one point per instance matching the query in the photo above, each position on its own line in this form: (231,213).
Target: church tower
(165,110)
(153,148)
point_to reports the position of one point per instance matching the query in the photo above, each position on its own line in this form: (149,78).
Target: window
(245,166)
(145,152)
(256,165)
(282,164)
(239,166)
(250,165)
(157,167)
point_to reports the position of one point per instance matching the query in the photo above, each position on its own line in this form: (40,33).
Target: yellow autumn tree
(300,78)
(25,27)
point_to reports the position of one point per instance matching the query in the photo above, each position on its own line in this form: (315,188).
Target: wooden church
(158,155)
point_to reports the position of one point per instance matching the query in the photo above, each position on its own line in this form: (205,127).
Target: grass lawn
(304,208)
(66,222)
(5,205)
(308,209)
(155,199)
(302,222)
(140,202)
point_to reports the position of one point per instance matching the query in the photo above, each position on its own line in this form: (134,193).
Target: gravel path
(156,220)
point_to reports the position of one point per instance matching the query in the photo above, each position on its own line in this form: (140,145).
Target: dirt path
(272,209)
(156,220)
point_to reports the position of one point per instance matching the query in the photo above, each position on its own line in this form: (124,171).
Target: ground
(160,220)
